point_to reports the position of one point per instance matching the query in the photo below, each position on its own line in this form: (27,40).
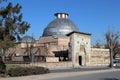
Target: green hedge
(23,71)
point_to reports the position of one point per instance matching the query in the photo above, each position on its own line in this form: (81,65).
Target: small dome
(60,26)
(28,39)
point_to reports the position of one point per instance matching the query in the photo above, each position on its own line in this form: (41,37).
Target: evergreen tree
(11,25)
(2,66)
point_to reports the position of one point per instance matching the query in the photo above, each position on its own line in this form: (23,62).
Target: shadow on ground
(109,79)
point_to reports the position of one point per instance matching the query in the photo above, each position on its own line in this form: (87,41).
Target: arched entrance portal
(82,55)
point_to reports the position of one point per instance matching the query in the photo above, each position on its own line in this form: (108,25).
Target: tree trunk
(111,58)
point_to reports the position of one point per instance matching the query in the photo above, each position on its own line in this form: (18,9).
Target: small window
(82,39)
(86,42)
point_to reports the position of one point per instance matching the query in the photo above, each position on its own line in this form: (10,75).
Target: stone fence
(99,57)
(50,65)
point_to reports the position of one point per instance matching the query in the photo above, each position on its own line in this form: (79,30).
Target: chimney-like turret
(61,15)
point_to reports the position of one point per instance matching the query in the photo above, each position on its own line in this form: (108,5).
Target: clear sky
(90,16)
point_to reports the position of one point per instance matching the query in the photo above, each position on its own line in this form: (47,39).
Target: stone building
(62,41)
(55,40)
(83,54)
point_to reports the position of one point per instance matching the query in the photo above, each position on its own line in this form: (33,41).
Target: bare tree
(116,49)
(112,39)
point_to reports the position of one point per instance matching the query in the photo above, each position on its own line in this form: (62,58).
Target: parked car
(116,63)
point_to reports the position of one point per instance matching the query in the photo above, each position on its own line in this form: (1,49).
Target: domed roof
(28,39)
(60,26)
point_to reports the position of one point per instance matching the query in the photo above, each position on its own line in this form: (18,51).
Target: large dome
(60,26)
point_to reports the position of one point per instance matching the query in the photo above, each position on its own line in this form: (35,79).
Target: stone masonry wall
(99,57)
(54,65)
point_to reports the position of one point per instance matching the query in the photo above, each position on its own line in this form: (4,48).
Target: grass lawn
(9,66)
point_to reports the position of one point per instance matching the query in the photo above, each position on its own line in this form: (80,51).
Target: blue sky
(90,16)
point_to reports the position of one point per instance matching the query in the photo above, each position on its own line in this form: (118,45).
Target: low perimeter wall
(55,65)
(99,57)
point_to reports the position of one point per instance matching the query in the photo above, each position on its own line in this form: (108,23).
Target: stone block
(52,59)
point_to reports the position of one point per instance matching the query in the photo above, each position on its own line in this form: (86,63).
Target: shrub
(23,71)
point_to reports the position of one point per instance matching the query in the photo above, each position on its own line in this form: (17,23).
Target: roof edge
(78,33)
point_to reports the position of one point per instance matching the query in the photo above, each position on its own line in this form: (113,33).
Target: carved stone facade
(83,54)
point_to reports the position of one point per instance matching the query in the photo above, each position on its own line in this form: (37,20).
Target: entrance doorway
(80,60)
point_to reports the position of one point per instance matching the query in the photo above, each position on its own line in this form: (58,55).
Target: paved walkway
(56,75)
